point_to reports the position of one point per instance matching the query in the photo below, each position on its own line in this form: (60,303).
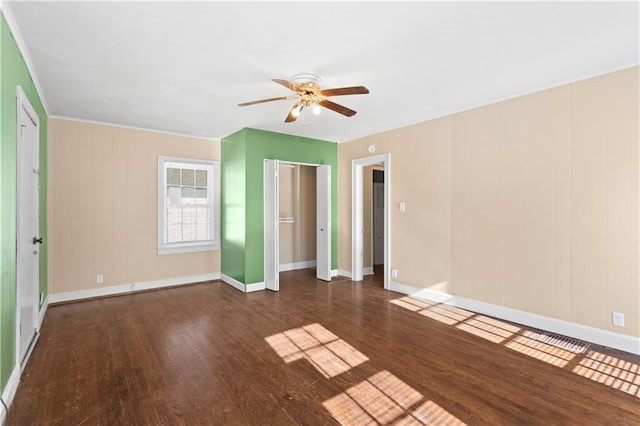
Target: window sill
(191,248)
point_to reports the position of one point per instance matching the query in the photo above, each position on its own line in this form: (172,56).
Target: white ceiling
(184,67)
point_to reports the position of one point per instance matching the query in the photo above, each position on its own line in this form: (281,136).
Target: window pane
(173,176)
(187,177)
(201,178)
(174,216)
(189,215)
(202,232)
(174,234)
(201,196)
(187,195)
(203,215)
(188,232)
(173,195)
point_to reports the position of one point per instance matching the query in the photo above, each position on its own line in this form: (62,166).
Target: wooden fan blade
(289,85)
(355,90)
(281,98)
(338,108)
(294,113)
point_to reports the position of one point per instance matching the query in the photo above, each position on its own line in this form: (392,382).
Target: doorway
(357,212)
(297,217)
(28,228)
(377,210)
(272,221)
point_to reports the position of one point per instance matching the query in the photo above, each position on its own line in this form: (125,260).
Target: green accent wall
(14,73)
(242,221)
(233,205)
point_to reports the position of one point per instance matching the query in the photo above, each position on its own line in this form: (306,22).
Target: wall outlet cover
(99,278)
(618,319)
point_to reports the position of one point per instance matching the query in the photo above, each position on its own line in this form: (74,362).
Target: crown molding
(22,48)
(124,126)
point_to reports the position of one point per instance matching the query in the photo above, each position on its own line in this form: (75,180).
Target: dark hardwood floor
(313,353)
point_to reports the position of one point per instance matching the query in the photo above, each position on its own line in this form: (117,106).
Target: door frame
(22,103)
(265,216)
(357,215)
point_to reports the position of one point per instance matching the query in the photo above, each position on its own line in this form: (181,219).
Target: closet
(297,216)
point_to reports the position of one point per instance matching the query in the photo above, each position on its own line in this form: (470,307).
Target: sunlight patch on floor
(329,354)
(384,399)
(488,328)
(527,343)
(606,369)
(611,371)
(446,314)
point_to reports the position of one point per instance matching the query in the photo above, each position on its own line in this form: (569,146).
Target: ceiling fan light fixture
(308,94)
(306,79)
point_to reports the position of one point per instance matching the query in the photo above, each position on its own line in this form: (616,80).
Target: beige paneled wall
(530,203)
(297,187)
(102,211)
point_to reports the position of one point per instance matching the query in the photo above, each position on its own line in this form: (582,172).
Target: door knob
(37,240)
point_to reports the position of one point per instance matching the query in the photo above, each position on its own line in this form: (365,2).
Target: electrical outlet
(618,319)
(403,206)
(394,272)
(99,278)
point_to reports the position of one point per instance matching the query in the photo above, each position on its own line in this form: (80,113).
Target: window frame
(213,190)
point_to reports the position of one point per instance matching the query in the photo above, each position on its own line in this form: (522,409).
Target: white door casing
(357,219)
(271,225)
(28,227)
(323,223)
(271,222)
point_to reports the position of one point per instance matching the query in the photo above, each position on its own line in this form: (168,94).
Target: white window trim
(190,247)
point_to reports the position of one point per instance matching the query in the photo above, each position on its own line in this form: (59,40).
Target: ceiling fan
(308,94)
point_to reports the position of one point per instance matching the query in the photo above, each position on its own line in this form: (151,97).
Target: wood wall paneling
(104,206)
(513,131)
(588,202)
(542,193)
(618,202)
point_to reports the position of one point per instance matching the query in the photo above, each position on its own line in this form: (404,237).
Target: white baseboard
(334,272)
(367,270)
(10,391)
(232,282)
(245,288)
(590,334)
(297,265)
(12,384)
(344,273)
(43,311)
(129,288)
(248,288)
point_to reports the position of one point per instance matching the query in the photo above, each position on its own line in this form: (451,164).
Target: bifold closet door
(323,223)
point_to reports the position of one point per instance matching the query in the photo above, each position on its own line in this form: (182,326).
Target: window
(187,205)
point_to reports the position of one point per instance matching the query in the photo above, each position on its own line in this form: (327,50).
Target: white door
(378,223)
(28,239)
(323,223)
(271,216)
